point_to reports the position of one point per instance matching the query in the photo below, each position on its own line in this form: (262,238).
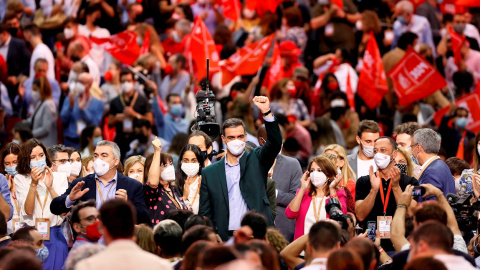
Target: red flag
(247,60)
(414,78)
(468,3)
(122,46)
(372,84)
(146,43)
(339,3)
(350,95)
(231,9)
(449,6)
(457,42)
(438,115)
(472,103)
(275,72)
(262,6)
(200,46)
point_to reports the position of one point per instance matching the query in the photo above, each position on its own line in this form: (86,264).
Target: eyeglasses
(91,219)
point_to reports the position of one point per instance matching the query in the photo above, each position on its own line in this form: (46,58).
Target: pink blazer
(305,204)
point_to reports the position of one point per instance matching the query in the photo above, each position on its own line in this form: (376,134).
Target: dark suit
(18,58)
(438,174)
(254,166)
(134,193)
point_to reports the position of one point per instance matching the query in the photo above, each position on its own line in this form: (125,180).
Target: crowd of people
(105,165)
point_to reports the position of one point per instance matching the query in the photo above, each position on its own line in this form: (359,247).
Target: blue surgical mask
(42,163)
(175,36)
(139,41)
(16,141)
(402,20)
(11,170)
(96,140)
(461,122)
(42,254)
(176,110)
(415,160)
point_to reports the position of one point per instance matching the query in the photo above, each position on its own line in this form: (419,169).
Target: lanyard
(197,191)
(173,198)
(14,197)
(100,191)
(315,213)
(44,202)
(134,100)
(385,204)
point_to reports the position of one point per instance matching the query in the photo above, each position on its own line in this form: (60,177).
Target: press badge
(15,224)
(43,227)
(81,125)
(384,226)
(127,125)
(329,30)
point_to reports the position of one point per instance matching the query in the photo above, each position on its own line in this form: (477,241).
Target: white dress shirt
(4,48)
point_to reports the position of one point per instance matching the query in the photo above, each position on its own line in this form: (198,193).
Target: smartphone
(418,191)
(371,230)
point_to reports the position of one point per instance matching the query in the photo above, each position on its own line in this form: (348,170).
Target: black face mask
(142,138)
(402,167)
(75,58)
(13,31)
(205,155)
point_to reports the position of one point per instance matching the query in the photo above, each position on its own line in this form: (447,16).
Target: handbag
(44,23)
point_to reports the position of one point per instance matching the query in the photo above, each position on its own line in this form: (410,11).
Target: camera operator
(373,200)
(170,123)
(423,212)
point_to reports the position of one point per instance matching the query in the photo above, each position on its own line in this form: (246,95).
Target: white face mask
(65,168)
(68,33)
(382,161)
(339,171)
(236,147)
(168,174)
(72,76)
(367,150)
(136,176)
(76,168)
(35,96)
(101,167)
(77,88)
(190,169)
(478,149)
(127,87)
(318,178)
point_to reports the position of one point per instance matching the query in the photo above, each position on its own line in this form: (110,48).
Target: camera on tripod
(206,109)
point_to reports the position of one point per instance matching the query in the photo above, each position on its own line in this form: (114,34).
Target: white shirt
(363,167)
(22,184)
(310,216)
(191,194)
(317,264)
(472,32)
(427,162)
(101,57)
(15,215)
(454,262)
(42,51)
(458,244)
(4,48)
(92,68)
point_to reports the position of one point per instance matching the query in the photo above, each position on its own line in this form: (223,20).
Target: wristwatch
(267,113)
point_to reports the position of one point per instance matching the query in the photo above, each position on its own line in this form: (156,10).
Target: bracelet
(267,113)
(380,250)
(402,206)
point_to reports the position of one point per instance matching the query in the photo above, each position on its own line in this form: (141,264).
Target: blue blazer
(438,174)
(134,192)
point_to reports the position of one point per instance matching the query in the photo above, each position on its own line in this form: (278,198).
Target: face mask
(41,164)
(168,174)
(13,31)
(16,141)
(68,33)
(190,169)
(42,254)
(402,20)
(318,178)
(478,149)
(176,16)
(248,14)
(381,160)
(332,86)
(11,170)
(76,168)
(459,28)
(402,167)
(175,36)
(461,122)
(93,232)
(75,58)
(127,87)
(35,96)
(236,147)
(101,167)
(73,76)
(176,110)
(96,140)
(78,88)
(339,171)
(65,168)
(367,150)
(292,91)
(139,41)
(205,155)
(136,176)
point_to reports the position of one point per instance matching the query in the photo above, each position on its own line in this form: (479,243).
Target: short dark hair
(23,234)
(92,8)
(281,119)
(23,166)
(32,28)
(393,143)
(430,211)
(180,216)
(337,112)
(365,248)
(435,234)
(70,20)
(367,126)
(54,149)
(407,128)
(142,123)
(19,259)
(293,15)
(170,96)
(231,123)
(194,234)
(457,165)
(9,148)
(425,263)
(168,236)
(461,109)
(119,217)
(180,59)
(75,218)
(324,236)
(257,222)
(124,72)
(198,133)
(406,39)
(197,220)
(218,255)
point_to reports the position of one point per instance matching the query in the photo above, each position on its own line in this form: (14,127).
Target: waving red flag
(372,84)
(247,60)
(275,72)
(262,6)
(146,43)
(414,78)
(200,46)
(468,3)
(457,42)
(231,9)
(339,3)
(472,103)
(122,46)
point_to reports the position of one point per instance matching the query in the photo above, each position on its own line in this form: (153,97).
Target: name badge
(384,226)
(329,30)
(15,224)
(43,227)
(127,125)
(81,125)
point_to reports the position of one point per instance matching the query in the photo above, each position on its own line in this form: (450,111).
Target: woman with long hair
(283,102)
(348,175)
(8,167)
(89,138)
(188,176)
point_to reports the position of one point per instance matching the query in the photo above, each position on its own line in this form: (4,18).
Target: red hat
(288,48)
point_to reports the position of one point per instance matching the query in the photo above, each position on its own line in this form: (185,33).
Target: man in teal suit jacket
(237,183)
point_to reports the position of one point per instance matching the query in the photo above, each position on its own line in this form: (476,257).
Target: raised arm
(291,253)
(268,152)
(397,227)
(363,207)
(154,172)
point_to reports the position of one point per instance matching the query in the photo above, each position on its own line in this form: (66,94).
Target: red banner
(146,43)
(231,9)
(122,46)
(247,60)
(200,46)
(468,3)
(472,103)
(275,72)
(414,78)
(457,42)
(372,84)
(262,6)
(450,7)
(339,3)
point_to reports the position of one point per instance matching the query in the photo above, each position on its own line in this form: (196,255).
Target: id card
(127,125)
(329,30)
(15,224)
(81,125)
(384,226)
(43,227)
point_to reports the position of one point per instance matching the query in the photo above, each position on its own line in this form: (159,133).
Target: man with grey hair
(425,147)
(81,253)
(168,239)
(105,184)
(407,21)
